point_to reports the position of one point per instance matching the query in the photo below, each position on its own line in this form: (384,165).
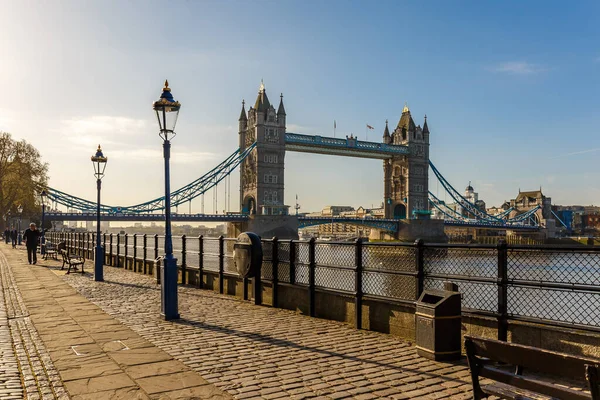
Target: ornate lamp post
(167,111)
(43,197)
(19,235)
(99,161)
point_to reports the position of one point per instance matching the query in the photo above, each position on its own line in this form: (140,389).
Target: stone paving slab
(26,368)
(257,352)
(65,345)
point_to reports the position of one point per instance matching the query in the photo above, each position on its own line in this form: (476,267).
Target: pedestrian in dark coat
(13,238)
(6,235)
(31,237)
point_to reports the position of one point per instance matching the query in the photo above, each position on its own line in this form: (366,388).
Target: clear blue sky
(511,90)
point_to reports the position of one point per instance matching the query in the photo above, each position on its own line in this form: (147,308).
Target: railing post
(118,260)
(155,247)
(358,296)
(110,241)
(257,288)
(183,261)
(221,263)
(126,250)
(311,277)
(275,280)
(156,263)
(502,290)
(145,268)
(157,267)
(135,252)
(292,262)
(200,262)
(419,265)
(104,245)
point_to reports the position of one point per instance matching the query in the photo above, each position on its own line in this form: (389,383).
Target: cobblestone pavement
(26,370)
(266,353)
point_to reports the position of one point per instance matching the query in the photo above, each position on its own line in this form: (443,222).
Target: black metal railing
(557,285)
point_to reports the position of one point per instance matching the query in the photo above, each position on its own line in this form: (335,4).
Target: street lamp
(99,161)
(43,196)
(19,235)
(167,110)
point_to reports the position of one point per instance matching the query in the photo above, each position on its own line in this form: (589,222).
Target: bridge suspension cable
(179,196)
(444,209)
(459,199)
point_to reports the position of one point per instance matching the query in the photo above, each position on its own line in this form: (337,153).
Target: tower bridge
(263,142)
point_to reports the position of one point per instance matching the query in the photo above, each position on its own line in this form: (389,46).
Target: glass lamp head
(20,209)
(99,161)
(43,196)
(167,111)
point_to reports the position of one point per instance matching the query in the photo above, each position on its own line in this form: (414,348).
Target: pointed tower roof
(243,116)
(406,121)
(425,127)
(262,101)
(386,132)
(281,109)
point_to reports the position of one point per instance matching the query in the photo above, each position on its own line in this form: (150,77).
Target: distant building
(590,222)
(461,207)
(529,200)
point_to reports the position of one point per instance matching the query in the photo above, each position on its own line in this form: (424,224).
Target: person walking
(31,236)
(13,238)
(6,235)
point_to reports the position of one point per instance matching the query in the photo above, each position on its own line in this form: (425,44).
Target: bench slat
(510,392)
(540,360)
(482,353)
(528,384)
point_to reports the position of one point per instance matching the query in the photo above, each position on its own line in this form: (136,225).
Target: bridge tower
(262,172)
(406,182)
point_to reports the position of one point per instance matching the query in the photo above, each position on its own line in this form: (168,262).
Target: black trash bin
(438,327)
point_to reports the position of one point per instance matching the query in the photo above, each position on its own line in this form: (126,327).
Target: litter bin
(438,328)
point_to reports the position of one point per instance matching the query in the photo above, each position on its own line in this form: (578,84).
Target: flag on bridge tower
(367,132)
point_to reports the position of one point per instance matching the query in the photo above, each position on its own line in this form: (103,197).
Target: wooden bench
(490,358)
(71,260)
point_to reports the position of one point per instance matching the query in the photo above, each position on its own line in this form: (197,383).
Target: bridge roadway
(221,347)
(389,225)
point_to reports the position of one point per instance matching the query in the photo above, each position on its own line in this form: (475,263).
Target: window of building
(270,158)
(270,178)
